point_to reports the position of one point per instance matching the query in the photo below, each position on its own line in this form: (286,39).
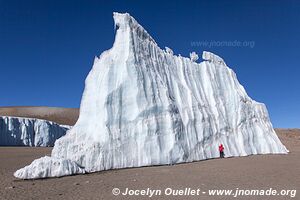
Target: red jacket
(221,148)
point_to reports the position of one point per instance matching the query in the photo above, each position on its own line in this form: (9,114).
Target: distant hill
(66,116)
(69,116)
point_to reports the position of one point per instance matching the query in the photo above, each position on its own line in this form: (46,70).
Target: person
(221,150)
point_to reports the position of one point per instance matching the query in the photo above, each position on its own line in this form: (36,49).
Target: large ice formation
(19,131)
(143,106)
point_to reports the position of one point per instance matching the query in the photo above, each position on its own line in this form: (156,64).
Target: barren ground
(252,172)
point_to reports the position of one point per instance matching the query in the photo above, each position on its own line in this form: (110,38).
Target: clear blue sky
(47,47)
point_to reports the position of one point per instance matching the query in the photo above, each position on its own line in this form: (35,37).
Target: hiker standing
(221,150)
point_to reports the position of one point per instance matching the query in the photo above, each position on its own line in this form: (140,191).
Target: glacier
(20,131)
(145,106)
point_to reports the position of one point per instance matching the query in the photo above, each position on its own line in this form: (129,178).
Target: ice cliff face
(17,131)
(144,106)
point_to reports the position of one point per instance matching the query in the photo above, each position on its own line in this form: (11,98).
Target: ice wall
(145,106)
(18,131)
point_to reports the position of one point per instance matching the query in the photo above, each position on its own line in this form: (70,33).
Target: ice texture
(194,57)
(212,58)
(49,167)
(169,51)
(142,106)
(20,131)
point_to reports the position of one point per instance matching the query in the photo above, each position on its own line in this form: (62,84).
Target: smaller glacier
(19,131)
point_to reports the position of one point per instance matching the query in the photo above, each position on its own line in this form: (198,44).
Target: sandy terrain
(253,172)
(66,116)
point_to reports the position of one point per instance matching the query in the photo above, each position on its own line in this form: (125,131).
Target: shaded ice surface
(144,106)
(20,131)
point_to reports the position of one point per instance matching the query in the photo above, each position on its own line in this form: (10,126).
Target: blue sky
(47,47)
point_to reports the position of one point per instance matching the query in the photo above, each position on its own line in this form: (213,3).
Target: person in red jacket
(221,150)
